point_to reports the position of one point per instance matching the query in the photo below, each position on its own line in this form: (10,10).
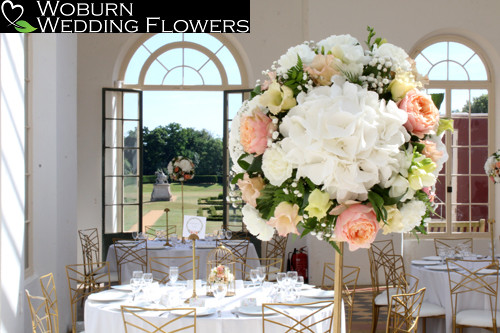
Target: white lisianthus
(394,221)
(344,47)
(275,166)
(401,187)
(289,59)
(256,224)
(343,138)
(412,212)
(398,56)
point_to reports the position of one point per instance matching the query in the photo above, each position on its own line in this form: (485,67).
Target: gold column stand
(167,243)
(337,287)
(193,237)
(491,222)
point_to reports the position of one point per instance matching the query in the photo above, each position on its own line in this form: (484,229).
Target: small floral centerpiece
(221,274)
(492,167)
(180,169)
(340,142)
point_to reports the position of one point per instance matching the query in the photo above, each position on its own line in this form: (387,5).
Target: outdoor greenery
(479,105)
(164,143)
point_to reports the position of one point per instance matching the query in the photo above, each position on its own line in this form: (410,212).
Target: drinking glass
(137,274)
(254,276)
(442,254)
(135,284)
(262,274)
(219,290)
(292,276)
(148,278)
(174,274)
(299,283)
(281,278)
(229,234)
(134,235)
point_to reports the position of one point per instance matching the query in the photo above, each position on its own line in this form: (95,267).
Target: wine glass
(137,274)
(174,274)
(292,277)
(281,277)
(229,234)
(299,283)
(148,278)
(135,285)
(442,253)
(254,276)
(134,235)
(219,290)
(262,273)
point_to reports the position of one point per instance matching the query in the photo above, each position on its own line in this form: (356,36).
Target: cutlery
(235,314)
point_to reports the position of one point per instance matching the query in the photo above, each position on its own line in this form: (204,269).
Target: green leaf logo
(23,26)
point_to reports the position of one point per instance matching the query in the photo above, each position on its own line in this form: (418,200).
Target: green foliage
(296,80)
(164,143)
(378,41)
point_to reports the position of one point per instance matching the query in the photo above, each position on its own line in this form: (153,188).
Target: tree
(479,105)
(164,143)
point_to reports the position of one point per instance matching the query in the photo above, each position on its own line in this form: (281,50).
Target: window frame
(448,86)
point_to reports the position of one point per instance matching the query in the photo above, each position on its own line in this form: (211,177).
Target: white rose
(412,212)
(185,165)
(275,166)
(400,186)
(255,224)
(290,58)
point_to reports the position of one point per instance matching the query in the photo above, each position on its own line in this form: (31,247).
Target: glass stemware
(219,290)
(174,274)
(135,284)
(254,276)
(148,279)
(261,274)
(229,234)
(135,235)
(281,278)
(292,276)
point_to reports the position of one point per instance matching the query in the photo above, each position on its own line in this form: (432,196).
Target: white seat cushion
(431,310)
(381,299)
(478,318)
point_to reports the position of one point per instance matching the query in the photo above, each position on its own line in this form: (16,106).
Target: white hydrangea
(289,59)
(275,166)
(255,224)
(398,56)
(412,212)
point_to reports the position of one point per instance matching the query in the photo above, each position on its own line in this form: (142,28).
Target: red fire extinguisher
(298,263)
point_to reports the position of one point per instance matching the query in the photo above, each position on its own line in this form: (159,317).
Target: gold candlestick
(193,237)
(166,210)
(337,287)
(491,222)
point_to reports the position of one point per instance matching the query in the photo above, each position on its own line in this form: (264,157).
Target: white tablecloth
(180,250)
(102,317)
(438,292)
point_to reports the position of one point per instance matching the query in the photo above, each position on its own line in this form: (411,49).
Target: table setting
(217,313)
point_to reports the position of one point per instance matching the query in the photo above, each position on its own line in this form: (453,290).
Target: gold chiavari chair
(82,285)
(376,256)
(404,310)
(272,267)
(40,316)
(50,293)
(349,283)
(130,252)
(133,321)
(239,248)
(151,230)
(276,248)
(464,282)
(313,321)
(160,267)
(221,255)
(453,244)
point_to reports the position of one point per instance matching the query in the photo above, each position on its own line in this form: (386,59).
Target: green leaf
(23,26)
(437,99)
(242,163)
(256,165)
(236,178)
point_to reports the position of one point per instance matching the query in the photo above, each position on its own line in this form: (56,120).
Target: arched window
(458,69)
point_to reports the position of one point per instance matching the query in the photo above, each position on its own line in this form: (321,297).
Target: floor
(362,315)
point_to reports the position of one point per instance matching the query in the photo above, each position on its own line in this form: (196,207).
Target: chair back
(464,281)
(276,248)
(349,284)
(178,320)
(151,230)
(160,267)
(89,241)
(81,285)
(50,293)
(314,321)
(404,312)
(131,252)
(40,317)
(453,244)
(239,248)
(376,255)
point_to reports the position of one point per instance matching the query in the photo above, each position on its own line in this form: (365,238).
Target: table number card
(194,225)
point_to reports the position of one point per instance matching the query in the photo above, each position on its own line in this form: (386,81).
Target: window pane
(230,65)
(113,165)
(479,188)
(476,69)
(206,40)
(113,218)
(461,129)
(130,190)
(478,157)
(130,134)
(436,52)
(130,162)
(462,189)
(192,77)
(479,212)
(130,105)
(439,72)
(462,160)
(459,52)
(114,191)
(211,74)
(130,218)
(460,212)
(113,105)
(423,65)
(159,40)
(457,72)
(442,108)
(135,65)
(174,77)
(114,133)
(155,74)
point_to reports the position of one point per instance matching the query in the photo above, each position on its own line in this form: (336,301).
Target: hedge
(198,179)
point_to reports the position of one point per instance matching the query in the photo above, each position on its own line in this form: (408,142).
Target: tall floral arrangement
(338,142)
(492,167)
(180,168)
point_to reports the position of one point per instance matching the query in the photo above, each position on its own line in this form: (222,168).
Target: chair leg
(424,326)
(375,313)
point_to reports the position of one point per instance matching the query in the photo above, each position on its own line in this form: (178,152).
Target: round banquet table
(156,249)
(437,292)
(106,317)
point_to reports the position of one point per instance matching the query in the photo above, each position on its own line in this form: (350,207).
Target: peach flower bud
(423,116)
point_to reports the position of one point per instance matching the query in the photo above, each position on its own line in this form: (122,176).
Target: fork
(235,313)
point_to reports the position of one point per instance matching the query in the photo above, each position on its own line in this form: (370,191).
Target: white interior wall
(276,26)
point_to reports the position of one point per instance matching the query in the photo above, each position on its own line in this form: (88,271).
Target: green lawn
(191,195)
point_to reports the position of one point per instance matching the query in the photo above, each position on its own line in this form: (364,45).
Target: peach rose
(286,217)
(250,189)
(322,69)
(431,150)
(358,226)
(255,130)
(423,116)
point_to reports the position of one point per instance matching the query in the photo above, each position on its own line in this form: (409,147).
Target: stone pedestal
(161,192)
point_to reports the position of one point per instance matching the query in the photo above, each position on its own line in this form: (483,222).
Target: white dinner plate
(253,310)
(488,271)
(108,296)
(307,286)
(440,267)
(122,287)
(424,262)
(199,312)
(432,258)
(317,293)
